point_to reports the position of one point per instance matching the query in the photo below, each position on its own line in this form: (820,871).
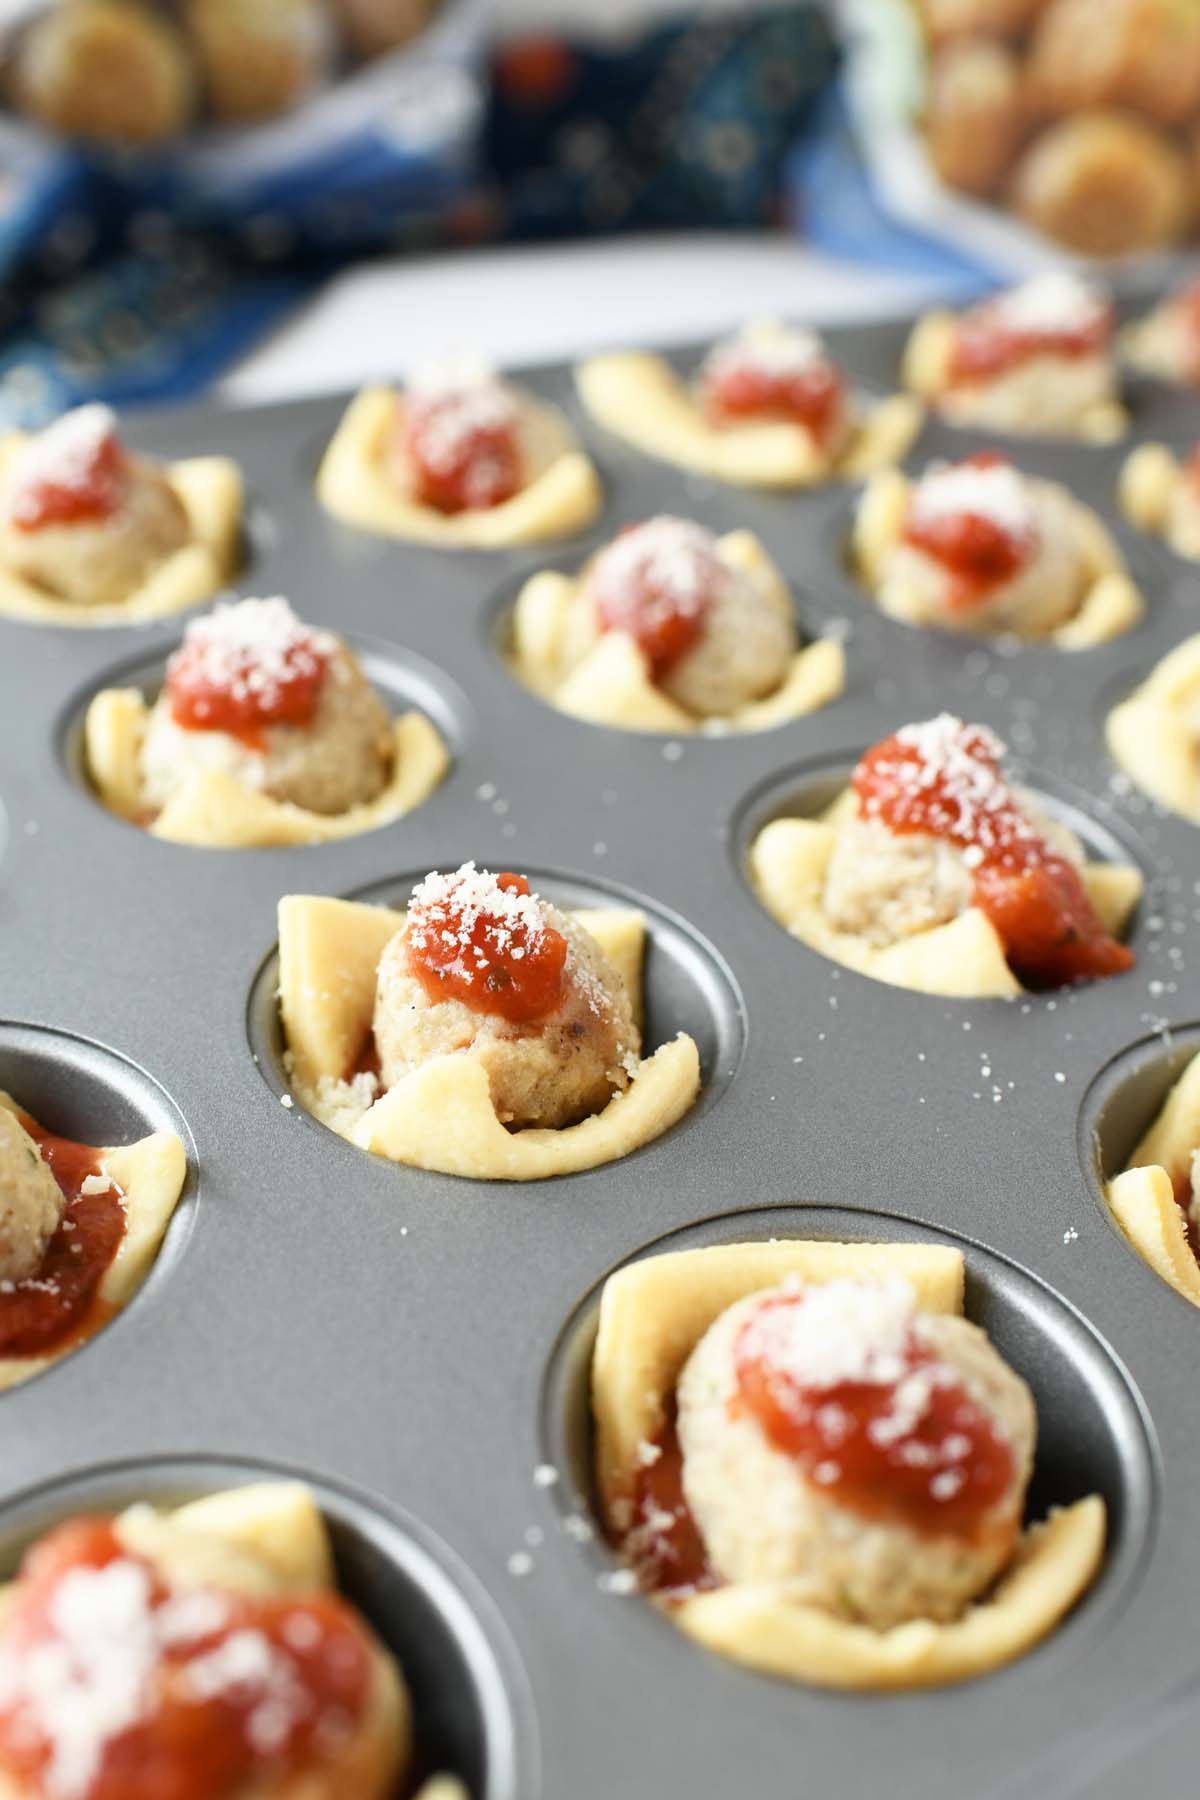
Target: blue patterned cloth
(131,284)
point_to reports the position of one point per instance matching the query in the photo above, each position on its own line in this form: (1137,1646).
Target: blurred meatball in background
(258,60)
(1105,183)
(374,26)
(106,69)
(945,20)
(1139,53)
(975,117)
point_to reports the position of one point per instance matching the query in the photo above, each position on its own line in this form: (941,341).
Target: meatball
(258,60)
(550,1071)
(975,117)
(1105,184)
(1139,53)
(108,69)
(373,26)
(745,638)
(339,758)
(99,558)
(31,1201)
(1045,591)
(946,19)
(884,886)
(764,1516)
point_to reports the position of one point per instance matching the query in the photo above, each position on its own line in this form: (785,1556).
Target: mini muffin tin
(417,1346)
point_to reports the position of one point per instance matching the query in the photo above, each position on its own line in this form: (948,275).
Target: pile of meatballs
(1083,116)
(136,73)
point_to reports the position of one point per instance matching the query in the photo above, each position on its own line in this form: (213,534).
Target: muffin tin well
(419,1341)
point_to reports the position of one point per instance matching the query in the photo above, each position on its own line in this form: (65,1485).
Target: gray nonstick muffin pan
(417,1346)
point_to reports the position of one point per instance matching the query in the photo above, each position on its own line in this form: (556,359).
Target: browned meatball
(975,118)
(107,69)
(373,26)
(31,1201)
(1139,53)
(258,60)
(1105,184)
(947,19)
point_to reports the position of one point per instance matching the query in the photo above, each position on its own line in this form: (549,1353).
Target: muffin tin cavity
(1127,1096)
(404,681)
(473,1717)
(688,987)
(1094,1436)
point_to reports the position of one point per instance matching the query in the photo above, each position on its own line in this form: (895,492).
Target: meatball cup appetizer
(266,732)
(977,546)
(931,871)
(1154,735)
(816,1466)
(484,1033)
(1037,360)
(1156,1199)
(1165,344)
(114,70)
(459,458)
(92,534)
(768,408)
(1159,492)
(80,1228)
(670,628)
(202,1652)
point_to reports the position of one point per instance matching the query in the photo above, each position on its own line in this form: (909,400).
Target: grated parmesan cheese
(248,648)
(1055,301)
(672,562)
(770,349)
(64,454)
(995,492)
(458,398)
(958,761)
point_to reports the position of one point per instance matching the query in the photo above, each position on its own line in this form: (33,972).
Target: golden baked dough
(612,685)
(925,371)
(1111,605)
(270,1538)
(214,811)
(639,397)
(210,489)
(1142,1197)
(151,1174)
(1152,735)
(652,1315)
(975,116)
(1139,53)
(562,496)
(963,959)
(1156,495)
(441,1117)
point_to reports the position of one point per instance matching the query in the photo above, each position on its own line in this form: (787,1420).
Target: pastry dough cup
(963,959)
(210,489)
(925,372)
(270,1538)
(612,684)
(1151,735)
(151,1174)
(1111,604)
(1149,492)
(215,812)
(562,496)
(652,1315)
(1142,1199)
(639,397)
(441,1117)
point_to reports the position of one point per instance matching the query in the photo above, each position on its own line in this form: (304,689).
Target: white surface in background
(538,304)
